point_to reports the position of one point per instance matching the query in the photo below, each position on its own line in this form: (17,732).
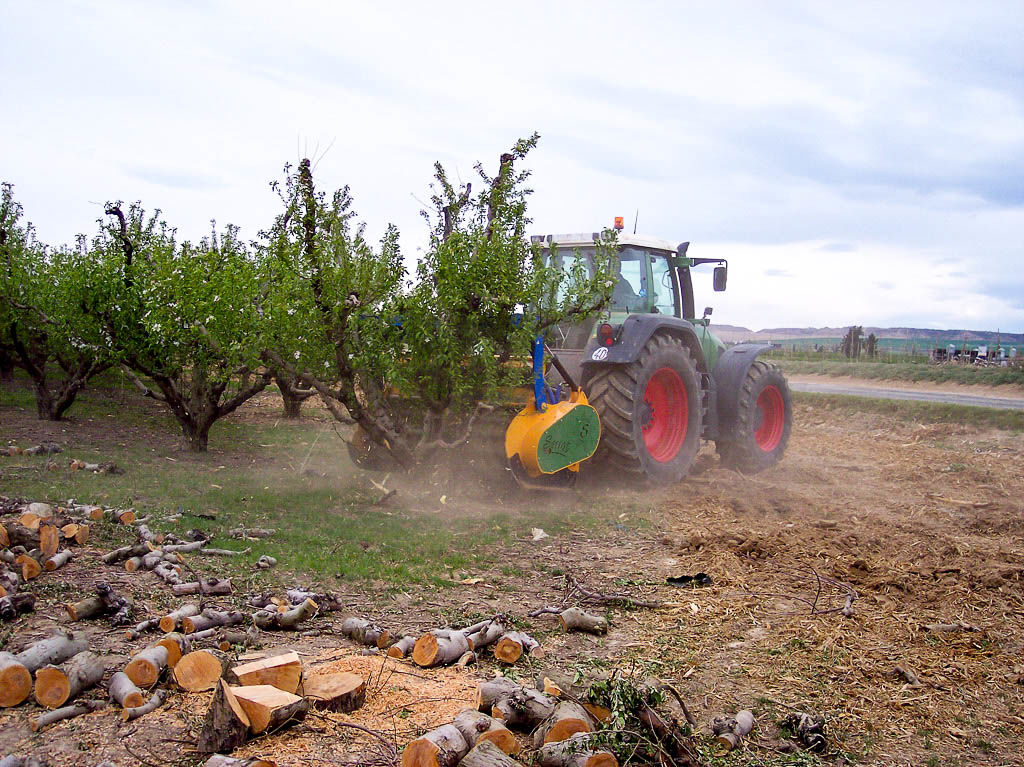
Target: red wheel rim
(772,411)
(665,415)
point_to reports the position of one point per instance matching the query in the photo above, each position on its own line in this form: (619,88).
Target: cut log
(402,647)
(219,586)
(467,659)
(443,747)
(54,649)
(145,668)
(490,692)
(176,645)
(49,540)
(439,648)
(487,635)
(172,621)
(477,728)
(269,708)
(566,720)
(148,536)
(335,692)
(31,520)
(486,754)
(155,701)
(574,619)
(123,690)
(265,562)
(249,638)
(85,608)
(178,547)
(125,552)
(151,624)
(119,606)
(80,533)
(513,645)
(15,681)
(5,539)
(30,567)
(67,712)
(209,619)
(19,535)
(200,670)
(576,751)
(226,725)
(219,760)
(96,513)
(362,631)
(250,532)
(730,731)
(281,671)
(55,685)
(289,619)
(523,709)
(58,560)
(15,604)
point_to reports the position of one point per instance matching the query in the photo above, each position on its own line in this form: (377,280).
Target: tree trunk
(292,395)
(196,434)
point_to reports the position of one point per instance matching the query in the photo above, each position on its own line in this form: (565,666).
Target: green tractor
(656,376)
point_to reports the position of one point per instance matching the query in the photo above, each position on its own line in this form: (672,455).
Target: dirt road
(921,393)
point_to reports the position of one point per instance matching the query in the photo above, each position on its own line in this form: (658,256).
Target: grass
(327,526)
(920,412)
(904,371)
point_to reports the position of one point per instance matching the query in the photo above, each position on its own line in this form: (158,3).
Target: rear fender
(634,334)
(729,373)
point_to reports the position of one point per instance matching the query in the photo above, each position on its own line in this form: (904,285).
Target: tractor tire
(650,412)
(764,419)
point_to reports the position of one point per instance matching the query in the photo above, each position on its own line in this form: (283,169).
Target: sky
(856,163)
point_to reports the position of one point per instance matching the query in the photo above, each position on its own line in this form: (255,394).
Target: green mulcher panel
(570,439)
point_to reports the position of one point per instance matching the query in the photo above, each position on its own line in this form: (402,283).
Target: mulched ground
(924,523)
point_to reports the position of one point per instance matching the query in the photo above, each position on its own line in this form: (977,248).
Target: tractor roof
(588,238)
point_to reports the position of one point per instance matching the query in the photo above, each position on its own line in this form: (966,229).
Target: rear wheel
(764,419)
(650,411)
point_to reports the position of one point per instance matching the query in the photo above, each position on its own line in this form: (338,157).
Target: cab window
(662,295)
(630,291)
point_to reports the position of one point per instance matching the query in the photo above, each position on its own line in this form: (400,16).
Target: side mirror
(721,275)
(707,312)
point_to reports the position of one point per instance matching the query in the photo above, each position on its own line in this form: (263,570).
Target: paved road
(977,400)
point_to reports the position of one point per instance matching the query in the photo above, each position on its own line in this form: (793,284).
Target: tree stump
(55,685)
(335,692)
(226,725)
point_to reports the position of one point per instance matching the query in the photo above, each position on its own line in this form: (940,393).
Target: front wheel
(650,411)
(764,419)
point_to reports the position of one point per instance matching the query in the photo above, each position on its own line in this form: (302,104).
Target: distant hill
(925,336)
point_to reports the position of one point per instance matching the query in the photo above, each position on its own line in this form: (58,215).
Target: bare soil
(921,524)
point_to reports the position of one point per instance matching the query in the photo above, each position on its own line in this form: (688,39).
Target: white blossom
(296,355)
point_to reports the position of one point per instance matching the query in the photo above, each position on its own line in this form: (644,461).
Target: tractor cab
(652,277)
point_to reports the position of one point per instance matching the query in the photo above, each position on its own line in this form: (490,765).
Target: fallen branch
(68,712)
(155,701)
